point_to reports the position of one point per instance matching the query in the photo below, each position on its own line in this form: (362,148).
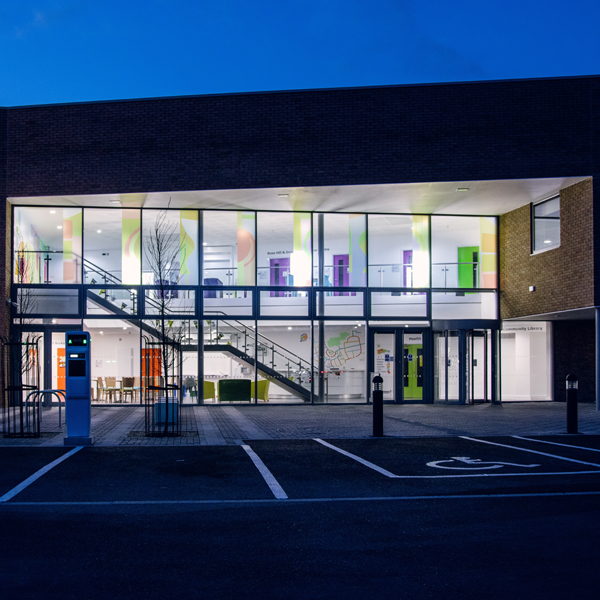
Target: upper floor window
(546,224)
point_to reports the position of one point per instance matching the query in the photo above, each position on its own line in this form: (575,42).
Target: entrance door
(400,357)
(412,353)
(478,366)
(463,362)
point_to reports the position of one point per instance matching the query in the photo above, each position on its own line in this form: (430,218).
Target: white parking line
(518,437)
(581,462)
(37,475)
(267,475)
(310,500)
(362,461)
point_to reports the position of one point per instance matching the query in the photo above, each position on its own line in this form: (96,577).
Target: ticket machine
(78,385)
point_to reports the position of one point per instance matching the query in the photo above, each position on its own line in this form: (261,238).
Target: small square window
(546,225)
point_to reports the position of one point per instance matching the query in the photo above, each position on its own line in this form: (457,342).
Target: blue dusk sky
(80,50)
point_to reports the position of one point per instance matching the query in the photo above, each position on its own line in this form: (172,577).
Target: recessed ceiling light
(462,189)
(59,227)
(283,195)
(289,328)
(52,212)
(115,201)
(102,333)
(99,231)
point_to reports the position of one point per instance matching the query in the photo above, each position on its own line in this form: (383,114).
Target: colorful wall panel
(489,252)
(188,239)
(358,250)
(72,244)
(246,247)
(131,246)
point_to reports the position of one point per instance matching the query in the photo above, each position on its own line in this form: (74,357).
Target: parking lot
(464,517)
(302,470)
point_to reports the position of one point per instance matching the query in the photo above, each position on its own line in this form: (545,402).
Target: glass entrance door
(412,368)
(384,362)
(400,358)
(462,369)
(478,366)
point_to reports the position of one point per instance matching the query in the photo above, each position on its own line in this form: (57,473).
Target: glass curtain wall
(258,270)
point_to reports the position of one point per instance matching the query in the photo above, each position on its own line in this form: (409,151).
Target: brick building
(442,235)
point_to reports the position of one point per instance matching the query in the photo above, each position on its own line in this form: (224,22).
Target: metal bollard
(377,406)
(572,385)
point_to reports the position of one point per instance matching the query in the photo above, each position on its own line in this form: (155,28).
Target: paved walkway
(229,425)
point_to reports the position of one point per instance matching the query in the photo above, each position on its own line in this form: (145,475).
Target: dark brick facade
(563,277)
(574,352)
(396,134)
(5,227)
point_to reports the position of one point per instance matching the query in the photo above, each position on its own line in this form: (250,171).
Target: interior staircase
(295,377)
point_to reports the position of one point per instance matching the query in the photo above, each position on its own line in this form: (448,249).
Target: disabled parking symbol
(464,463)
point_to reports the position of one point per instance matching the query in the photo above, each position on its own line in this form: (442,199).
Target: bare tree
(163,250)
(26,304)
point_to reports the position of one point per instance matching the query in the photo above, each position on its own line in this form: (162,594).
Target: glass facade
(264,287)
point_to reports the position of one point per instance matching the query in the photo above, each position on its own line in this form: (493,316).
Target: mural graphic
(340,350)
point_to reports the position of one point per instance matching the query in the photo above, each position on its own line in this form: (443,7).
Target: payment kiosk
(78,384)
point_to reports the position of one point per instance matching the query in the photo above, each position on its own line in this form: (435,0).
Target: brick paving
(229,425)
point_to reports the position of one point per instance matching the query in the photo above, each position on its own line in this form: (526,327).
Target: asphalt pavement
(452,517)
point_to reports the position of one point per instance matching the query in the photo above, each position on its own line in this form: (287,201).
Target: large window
(546,225)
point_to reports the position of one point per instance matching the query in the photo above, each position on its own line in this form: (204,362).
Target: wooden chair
(101,388)
(128,388)
(111,387)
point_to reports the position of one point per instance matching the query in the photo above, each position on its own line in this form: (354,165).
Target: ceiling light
(59,227)
(52,212)
(462,189)
(283,195)
(204,243)
(289,328)
(99,231)
(102,333)
(115,201)
(547,241)
(54,321)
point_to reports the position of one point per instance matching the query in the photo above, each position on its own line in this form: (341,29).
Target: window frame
(533,249)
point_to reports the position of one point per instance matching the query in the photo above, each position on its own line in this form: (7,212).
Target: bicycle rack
(58,393)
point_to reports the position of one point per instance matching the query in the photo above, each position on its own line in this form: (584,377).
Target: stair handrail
(269,341)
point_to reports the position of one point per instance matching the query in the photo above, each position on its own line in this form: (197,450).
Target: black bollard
(377,406)
(572,385)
